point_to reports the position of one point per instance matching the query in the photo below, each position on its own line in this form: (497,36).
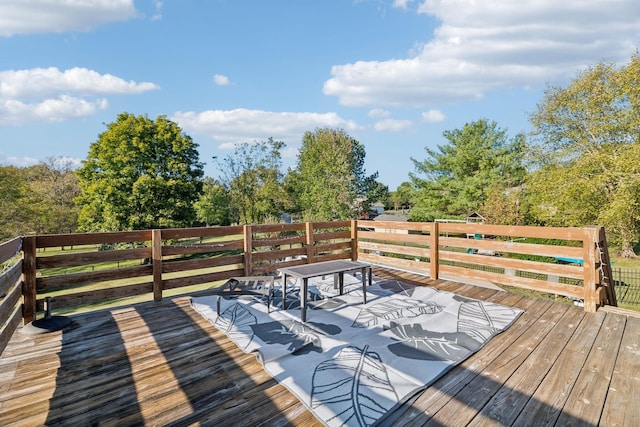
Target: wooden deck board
(162,363)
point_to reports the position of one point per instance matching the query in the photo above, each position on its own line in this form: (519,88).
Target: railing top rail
(10,248)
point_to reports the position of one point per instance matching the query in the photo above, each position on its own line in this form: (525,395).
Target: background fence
(627,283)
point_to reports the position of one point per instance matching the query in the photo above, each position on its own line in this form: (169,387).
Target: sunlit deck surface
(163,364)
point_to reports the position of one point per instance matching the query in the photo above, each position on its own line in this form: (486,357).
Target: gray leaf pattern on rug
(236,321)
(351,385)
(483,320)
(392,310)
(300,338)
(396,287)
(414,342)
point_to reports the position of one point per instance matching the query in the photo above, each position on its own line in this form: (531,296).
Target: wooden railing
(90,268)
(11,290)
(572,262)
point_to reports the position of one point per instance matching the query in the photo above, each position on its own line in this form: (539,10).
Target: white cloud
(401,4)
(51,95)
(72,162)
(158,11)
(49,16)
(392,125)
(14,112)
(42,82)
(378,113)
(482,46)
(18,161)
(221,80)
(433,116)
(242,125)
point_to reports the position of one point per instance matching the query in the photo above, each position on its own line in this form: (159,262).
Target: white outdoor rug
(352,363)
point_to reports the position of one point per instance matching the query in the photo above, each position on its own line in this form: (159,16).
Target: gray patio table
(325,268)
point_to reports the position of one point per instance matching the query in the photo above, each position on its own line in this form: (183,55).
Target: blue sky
(392,74)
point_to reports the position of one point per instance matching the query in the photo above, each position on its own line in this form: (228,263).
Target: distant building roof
(391,217)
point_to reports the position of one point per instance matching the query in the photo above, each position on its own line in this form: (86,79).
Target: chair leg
(269,299)
(218,304)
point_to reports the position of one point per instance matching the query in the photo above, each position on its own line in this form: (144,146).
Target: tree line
(579,166)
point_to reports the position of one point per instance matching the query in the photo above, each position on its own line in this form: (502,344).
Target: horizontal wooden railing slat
(10,248)
(9,327)
(80,239)
(10,279)
(398,263)
(572,271)
(73,280)
(84,258)
(203,248)
(8,303)
(186,233)
(195,264)
(99,295)
(396,249)
(200,278)
(516,281)
(560,233)
(514,247)
(416,239)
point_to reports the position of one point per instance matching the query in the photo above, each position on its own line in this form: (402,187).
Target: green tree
(456,178)
(330,175)
(403,196)
(586,146)
(53,188)
(14,209)
(139,174)
(213,206)
(378,192)
(253,180)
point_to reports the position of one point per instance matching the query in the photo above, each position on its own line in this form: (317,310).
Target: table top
(322,268)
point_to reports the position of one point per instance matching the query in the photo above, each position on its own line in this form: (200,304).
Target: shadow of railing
(217,387)
(177,374)
(93,385)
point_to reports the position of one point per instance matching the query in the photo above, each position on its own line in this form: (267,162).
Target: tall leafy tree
(331,175)
(14,209)
(456,178)
(139,174)
(253,180)
(403,196)
(213,206)
(587,137)
(53,187)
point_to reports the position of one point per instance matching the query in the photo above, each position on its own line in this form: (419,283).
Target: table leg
(303,300)
(364,284)
(341,282)
(284,291)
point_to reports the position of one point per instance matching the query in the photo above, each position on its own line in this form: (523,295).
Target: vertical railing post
(310,242)
(591,299)
(248,248)
(156,257)
(29,276)
(354,240)
(434,255)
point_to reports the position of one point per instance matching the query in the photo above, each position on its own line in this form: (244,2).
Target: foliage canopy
(456,179)
(330,176)
(253,181)
(139,174)
(587,146)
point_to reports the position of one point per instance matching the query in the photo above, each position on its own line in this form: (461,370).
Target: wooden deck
(163,364)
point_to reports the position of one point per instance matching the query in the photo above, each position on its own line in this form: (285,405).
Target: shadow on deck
(163,364)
